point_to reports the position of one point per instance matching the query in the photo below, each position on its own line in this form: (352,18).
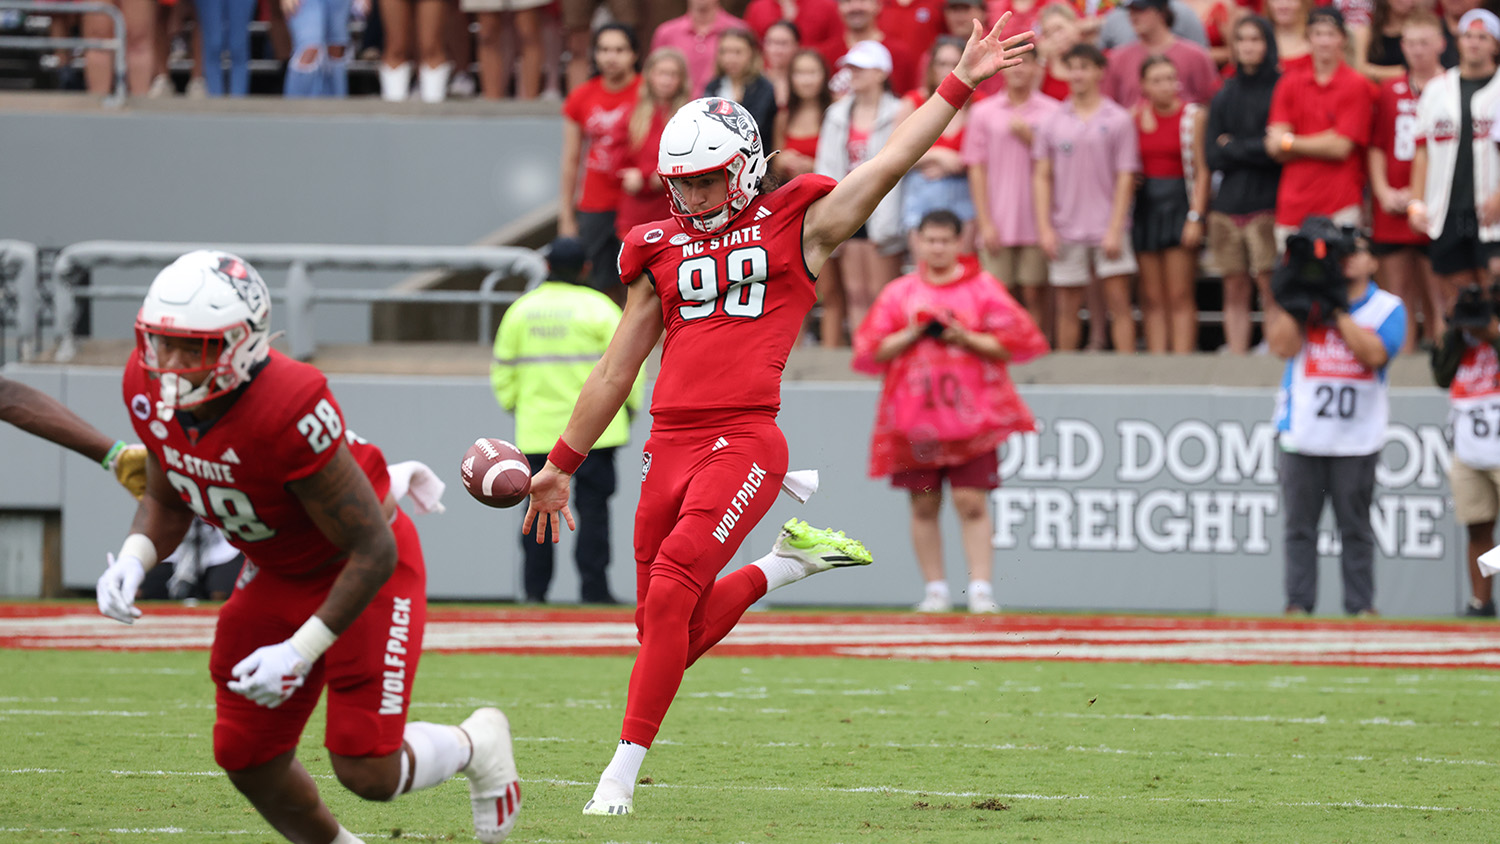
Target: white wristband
(139,546)
(312,639)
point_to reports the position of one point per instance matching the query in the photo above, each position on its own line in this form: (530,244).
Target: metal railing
(299,294)
(116,43)
(18,261)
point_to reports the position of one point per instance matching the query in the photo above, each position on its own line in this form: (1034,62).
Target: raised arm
(604,392)
(831,220)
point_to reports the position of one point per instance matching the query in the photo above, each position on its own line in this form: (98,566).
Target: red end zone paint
(865,635)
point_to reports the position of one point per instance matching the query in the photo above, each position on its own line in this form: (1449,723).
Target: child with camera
(1465,364)
(942,338)
(1337,331)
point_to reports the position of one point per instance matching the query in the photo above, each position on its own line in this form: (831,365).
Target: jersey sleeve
(311,429)
(634,256)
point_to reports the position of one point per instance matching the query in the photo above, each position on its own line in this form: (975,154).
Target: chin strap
(175,391)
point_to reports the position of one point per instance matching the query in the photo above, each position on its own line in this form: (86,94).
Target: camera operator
(1466,364)
(1337,331)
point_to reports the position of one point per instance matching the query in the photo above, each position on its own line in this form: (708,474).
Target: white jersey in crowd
(1330,404)
(1437,129)
(1475,408)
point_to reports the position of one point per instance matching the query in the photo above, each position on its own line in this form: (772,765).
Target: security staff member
(548,343)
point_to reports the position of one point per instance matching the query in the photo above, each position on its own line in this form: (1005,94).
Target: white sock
(781,570)
(980,587)
(438,751)
(395,82)
(623,770)
(938,589)
(346,837)
(432,82)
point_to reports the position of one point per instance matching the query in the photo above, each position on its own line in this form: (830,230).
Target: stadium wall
(1130,498)
(330,172)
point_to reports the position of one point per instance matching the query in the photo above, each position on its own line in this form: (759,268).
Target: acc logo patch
(158,428)
(140,406)
(679,239)
(645,464)
(653,236)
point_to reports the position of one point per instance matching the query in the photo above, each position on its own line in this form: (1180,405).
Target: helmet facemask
(719,216)
(217,352)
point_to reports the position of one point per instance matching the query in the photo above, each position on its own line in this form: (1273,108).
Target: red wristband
(565,458)
(955,91)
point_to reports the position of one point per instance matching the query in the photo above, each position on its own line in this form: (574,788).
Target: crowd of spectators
(1146,149)
(1147,145)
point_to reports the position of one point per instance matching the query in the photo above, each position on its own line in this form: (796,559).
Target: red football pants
(702,492)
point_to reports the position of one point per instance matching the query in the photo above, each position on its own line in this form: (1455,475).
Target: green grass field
(115,747)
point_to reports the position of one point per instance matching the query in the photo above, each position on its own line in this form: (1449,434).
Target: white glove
(117,587)
(271,674)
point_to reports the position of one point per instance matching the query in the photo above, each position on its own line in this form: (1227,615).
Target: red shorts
(983,472)
(369,669)
(702,491)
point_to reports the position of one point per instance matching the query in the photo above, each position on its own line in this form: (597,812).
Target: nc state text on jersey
(218,472)
(747,234)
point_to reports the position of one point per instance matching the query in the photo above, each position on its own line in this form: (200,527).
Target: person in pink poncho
(943,337)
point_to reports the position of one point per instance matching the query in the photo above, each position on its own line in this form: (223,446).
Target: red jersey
(914,23)
(732,302)
(604,117)
(284,426)
(1395,134)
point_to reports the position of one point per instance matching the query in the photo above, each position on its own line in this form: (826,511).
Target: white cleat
(818,549)
(611,797)
(494,784)
(617,806)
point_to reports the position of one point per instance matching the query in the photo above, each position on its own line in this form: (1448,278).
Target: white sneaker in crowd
(161,86)
(933,603)
(980,602)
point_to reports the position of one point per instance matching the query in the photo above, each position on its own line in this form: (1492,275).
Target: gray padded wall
(270,178)
(471,550)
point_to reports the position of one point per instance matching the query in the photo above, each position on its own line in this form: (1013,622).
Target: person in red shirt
(595,117)
(729,280)
(1289,22)
(1057,32)
(915,24)
(859,25)
(1320,125)
(798,127)
(1402,252)
(664,89)
(333,591)
(817,20)
(1170,205)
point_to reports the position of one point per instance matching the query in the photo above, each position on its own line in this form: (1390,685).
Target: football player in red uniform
(729,279)
(334,588)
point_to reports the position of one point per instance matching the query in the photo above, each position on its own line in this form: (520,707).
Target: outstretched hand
(986,55)
(549,496)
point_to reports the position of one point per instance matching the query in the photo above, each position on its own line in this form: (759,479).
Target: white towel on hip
(800,484)
(413,479)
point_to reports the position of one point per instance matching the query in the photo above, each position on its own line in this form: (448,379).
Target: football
(496,473)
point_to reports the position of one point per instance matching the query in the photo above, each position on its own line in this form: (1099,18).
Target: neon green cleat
(819,549)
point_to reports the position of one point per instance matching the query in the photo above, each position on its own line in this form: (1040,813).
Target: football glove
(117,587)
(129,466)
(271,674)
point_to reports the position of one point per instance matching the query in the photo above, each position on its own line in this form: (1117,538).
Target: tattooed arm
(341,502)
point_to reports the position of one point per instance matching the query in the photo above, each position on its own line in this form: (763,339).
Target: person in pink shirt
(997,149)
(696,34)
(1087,158)
(943,337)
(816,20)
(1152,21)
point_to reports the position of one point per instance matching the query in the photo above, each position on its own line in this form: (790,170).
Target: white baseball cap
(868,54)
(1485,18)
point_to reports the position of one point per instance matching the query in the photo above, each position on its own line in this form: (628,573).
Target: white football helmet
(704,136)
(221,302)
